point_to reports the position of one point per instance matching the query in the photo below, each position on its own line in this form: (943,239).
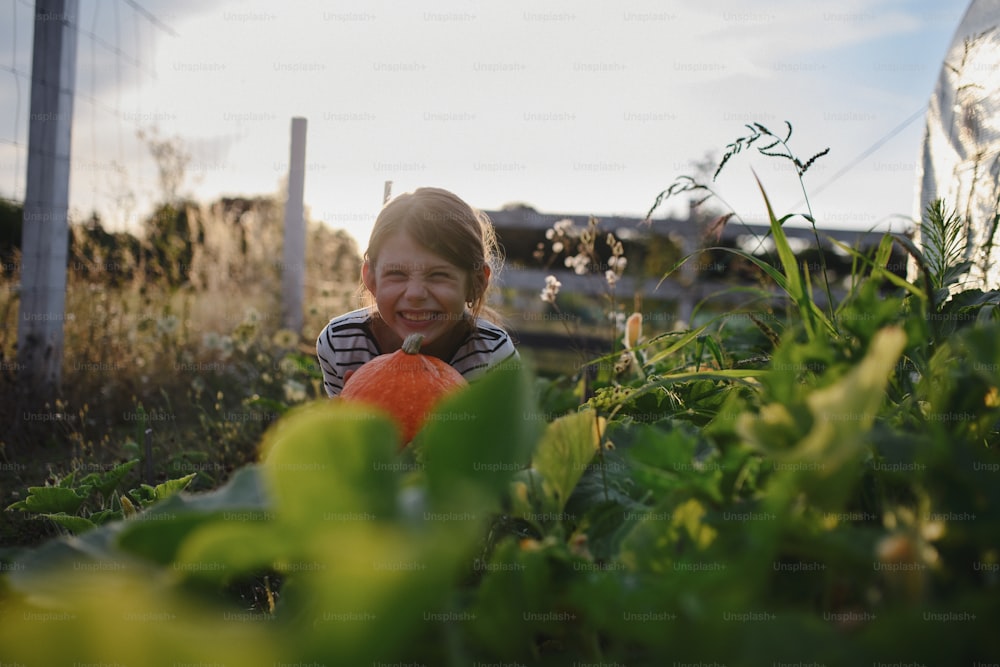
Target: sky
(579,107)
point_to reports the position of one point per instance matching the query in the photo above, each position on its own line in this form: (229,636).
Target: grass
(205,357)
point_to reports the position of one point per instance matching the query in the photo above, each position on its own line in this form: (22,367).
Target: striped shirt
(347,342)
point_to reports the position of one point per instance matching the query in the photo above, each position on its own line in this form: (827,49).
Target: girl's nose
(415,289)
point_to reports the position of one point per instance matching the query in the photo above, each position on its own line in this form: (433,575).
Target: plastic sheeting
(960,161)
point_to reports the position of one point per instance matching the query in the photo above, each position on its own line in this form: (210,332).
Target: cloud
(572,106)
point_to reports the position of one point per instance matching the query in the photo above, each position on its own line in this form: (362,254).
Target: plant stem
(819,247)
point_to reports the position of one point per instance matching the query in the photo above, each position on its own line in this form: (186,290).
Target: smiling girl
(427,270)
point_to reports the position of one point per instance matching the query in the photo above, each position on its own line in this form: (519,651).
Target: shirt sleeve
(487,347)
(333,380)
(345,344)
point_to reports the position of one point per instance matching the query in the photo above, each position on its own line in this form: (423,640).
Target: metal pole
(294,269)
(45,236)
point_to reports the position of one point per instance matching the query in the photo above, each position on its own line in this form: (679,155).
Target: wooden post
(293,274)
(45,235)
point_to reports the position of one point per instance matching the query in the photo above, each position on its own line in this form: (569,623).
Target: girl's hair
(446,225)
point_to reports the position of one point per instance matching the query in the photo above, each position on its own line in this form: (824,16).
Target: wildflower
(617,263)
(285,338)
(288,366)
(551,289)
(243,335)
(295,391)
(631,360)
(578,263)
(226,346)
(211,341)
(611,277)
(167,325)
(633,330)
(624,363)
(563,227)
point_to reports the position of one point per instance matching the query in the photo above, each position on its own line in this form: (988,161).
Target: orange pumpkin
(405,383)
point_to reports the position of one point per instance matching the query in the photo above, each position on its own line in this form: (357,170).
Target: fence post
(45,235)
(293,273)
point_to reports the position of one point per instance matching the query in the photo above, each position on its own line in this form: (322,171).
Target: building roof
(626,227)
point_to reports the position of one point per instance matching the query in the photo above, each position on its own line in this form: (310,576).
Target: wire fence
(115,60)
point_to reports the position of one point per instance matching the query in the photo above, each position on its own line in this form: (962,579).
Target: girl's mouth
(419,316)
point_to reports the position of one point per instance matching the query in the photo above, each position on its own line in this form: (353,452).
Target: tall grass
(182,323)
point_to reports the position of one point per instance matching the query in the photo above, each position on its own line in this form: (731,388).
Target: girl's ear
(479,283)
(367,276)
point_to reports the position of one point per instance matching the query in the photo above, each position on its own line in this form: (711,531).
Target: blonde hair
(446,225)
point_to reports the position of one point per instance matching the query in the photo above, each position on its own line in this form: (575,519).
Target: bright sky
(578,107)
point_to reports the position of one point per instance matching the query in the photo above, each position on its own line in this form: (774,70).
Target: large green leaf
(327,459)
(361,575)
(151,537)
(111,614)
(157,533)
(818,442)
(173,486)
(567,446)
(668,461)
(72,523)
(35,573)
(107,482)
(52,499)
(477,440)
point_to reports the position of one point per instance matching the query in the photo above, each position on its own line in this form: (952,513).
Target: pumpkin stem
(412,343)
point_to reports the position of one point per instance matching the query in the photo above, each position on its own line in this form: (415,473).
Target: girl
(427,270)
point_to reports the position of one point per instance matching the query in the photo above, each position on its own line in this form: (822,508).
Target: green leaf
(268,405)
(944,243)
(69,481)
(782,282)
(793,278)
(52,499)
(74,524)
(329,458)
(106,516)
(144,493)
(221,549)
(668,461)
(36,570)
(157,533)
(816,439)
(478,439)
(683,340)
(107,482)
(879,263)
(659,536)
(172,486)
(568,444)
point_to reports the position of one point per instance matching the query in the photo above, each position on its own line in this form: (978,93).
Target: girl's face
(417,291)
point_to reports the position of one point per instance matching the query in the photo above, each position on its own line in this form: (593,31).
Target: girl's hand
(347,376)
